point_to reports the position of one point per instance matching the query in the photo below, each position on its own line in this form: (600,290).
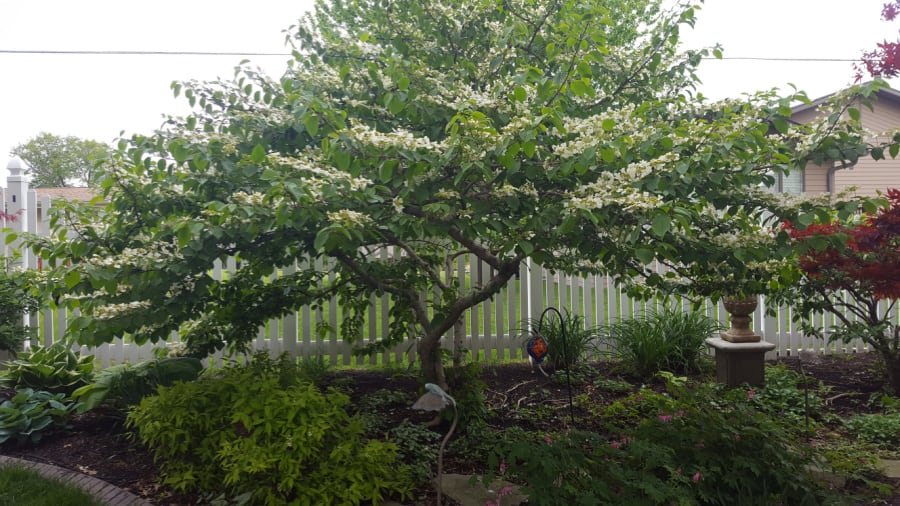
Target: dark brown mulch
(98,445)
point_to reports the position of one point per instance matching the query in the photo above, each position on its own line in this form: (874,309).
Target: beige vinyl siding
(815,178)
(871,176)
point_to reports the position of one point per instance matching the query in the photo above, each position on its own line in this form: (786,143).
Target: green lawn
(24,487)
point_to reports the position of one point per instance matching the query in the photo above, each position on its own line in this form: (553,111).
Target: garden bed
(516,396)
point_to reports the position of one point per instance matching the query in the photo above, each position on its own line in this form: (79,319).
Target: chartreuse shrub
(253,430)
(708,446)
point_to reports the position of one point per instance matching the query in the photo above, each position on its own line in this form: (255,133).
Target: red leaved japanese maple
(853,271)
(884,60)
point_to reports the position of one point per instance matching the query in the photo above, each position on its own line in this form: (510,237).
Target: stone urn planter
(740,309)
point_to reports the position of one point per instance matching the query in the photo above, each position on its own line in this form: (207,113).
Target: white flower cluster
(111,311)
(326,174)
(589,132)
(621,187)
(153,256)
(349,218)
(398,139)
(508,190)
(397,204)
(447,194)
(742,239)
(248,199)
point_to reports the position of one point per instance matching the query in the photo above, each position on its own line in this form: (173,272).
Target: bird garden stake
(436,399)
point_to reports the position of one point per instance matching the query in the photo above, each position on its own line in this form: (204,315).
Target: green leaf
(520,94)
(608,124)
(72,278)
(894,150)
(644,255)
(661,225)
(526,247)
(854,113)
(311,124)
(258,154)
(781,125)
(403,83)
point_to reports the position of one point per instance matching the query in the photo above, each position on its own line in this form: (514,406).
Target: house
(867,175)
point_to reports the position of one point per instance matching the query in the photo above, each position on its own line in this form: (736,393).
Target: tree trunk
(892,367)
(429,349)
(459,331)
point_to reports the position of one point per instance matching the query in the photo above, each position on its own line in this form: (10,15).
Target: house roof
(83,194)
(889,93)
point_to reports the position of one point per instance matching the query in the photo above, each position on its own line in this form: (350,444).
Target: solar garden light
(436,399)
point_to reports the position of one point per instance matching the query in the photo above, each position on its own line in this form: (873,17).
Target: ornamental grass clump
(247,431)
(666,340)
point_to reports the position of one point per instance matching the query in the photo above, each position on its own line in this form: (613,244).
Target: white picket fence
(492,330)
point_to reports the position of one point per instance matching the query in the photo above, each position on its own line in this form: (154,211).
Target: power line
(138,53)
(227,53)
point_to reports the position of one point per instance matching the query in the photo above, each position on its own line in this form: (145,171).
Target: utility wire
(140,53)
(226,53)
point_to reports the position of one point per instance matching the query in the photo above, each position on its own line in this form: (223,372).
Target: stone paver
(107,493)
(890,468)
(470,491)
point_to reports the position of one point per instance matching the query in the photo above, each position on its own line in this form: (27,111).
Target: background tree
(407,134)
(884,60)
(56,161)
(853,271)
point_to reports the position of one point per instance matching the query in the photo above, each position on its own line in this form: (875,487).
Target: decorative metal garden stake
(436,399)
(562,330)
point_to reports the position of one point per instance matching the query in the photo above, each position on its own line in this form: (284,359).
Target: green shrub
(55,368)
(128,384)
(262,430)
(16,298)
(569,340)
(707,447)
(31,414)
(667,340)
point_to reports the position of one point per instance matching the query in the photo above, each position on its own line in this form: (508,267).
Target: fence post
(16,205)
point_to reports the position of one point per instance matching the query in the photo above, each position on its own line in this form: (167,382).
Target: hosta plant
(31,414)
(55,368)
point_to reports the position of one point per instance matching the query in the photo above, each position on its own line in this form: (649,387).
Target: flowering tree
(884,60)
(408,133)
(853,271)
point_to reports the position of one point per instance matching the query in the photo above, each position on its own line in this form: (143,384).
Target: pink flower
(751,394)
(737,437)
(678,471)
(502,467)
(547,439)
(665,418)
(697,477)
(615,445)
(506,491)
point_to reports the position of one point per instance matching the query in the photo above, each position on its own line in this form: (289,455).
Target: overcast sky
(99,96)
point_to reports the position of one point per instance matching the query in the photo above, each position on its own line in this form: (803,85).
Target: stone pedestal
(739,363)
